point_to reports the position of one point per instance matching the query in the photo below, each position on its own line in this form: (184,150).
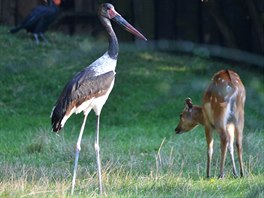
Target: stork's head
(107,10)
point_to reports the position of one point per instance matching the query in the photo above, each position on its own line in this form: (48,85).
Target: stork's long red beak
(121,21)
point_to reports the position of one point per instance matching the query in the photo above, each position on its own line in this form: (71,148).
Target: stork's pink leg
(78,148)
(97,150)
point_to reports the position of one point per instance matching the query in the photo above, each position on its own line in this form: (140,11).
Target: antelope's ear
(188,104)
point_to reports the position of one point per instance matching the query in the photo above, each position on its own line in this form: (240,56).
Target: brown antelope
(222,110)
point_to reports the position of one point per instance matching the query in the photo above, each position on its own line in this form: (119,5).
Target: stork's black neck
(113,42)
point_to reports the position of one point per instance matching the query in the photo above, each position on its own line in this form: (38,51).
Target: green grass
(141,155)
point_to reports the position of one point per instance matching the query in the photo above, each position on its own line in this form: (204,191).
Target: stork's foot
(235,174)
(75,169)
(221,176)
(44,39)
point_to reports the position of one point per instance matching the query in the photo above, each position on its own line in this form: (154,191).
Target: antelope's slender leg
(231,135)
(210,149)
(224,144)
(239,135)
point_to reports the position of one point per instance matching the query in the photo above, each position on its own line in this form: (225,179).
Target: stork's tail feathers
(56,119)
(14,30)
(56,127)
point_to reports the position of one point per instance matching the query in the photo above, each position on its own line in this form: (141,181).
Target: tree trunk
(214,10)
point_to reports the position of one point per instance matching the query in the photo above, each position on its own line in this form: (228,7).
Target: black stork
(39,19)
(90,88)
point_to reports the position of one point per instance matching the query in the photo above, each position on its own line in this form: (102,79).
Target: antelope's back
(225,84)
(224,97)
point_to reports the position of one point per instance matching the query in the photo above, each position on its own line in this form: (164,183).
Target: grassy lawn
(141,155)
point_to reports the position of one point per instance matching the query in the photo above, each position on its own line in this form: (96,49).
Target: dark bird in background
(39,19)
(90,88)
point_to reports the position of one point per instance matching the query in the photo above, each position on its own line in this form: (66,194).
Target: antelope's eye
(181,116)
